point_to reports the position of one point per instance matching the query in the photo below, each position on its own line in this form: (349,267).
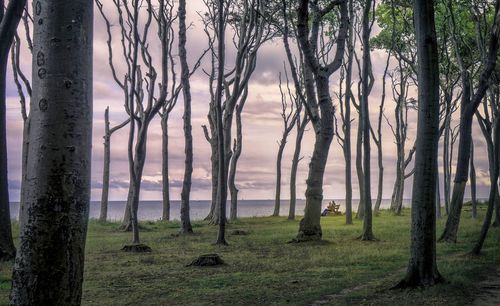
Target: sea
(152,210)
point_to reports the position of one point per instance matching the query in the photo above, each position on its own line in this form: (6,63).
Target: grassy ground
(262,269)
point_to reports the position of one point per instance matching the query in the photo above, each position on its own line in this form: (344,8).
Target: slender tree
(186,89)
(108,132)
(9,19)
(221,177)
(59,156)
(366,87)
(422,268)
(290,109)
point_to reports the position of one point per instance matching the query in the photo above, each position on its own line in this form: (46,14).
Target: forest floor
(263,269)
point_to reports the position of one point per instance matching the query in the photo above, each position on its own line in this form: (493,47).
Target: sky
(262,129)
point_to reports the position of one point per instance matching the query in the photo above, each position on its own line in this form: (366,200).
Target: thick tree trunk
(165,169)
(301,127)
(310,227)
(188,136)
(277,198)
(49,265)
(462,173)
(8,24)
(422,267)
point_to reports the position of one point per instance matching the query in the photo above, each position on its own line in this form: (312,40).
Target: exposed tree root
(207,260)
(137,248)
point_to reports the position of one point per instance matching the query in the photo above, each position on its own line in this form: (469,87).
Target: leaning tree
(49,264)
(473,93)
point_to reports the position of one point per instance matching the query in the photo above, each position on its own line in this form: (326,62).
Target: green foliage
(262,269)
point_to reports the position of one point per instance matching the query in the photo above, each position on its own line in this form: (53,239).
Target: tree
(366,87)
(49,265)
(108,132)
(422,268)
(290,109)
(318,104)
(9,19)
(221,177)
(249,22)
(469,104)
(186,89)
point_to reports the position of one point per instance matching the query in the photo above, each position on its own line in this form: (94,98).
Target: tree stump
(207,260)
(137,248)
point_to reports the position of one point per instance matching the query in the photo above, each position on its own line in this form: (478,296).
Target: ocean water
(152,210)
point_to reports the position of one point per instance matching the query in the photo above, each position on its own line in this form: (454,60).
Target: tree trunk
(49,265)
(422,267)
(359,169)
(446,166)
(301,127)
(473,183)
(310,227)
(347,117)
(438,195)
(8,24)
(277,198)
(238,146)
(164,169)
(367,233)
(221,141)
(493,189)
(105,172)
(188,136)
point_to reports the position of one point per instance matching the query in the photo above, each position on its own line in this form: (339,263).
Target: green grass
(263,269)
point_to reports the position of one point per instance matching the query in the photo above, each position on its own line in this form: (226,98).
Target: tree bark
(188,136)
(472,175)
(301,127)
(277,198)
(237,148)
(165,169)
(367,233)
(49,265)
(359,168)
(9,20)
(422,268)
(222,177)
(105,172)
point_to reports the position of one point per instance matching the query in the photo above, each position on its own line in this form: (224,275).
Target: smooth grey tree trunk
(237,149)
(347,124)
(188,136)
(222,178)
(108,132)
(367,233)
(422,268)
(50,261)
(359,168)
(277,193)
(9,20)
(301,127)
(165,169)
